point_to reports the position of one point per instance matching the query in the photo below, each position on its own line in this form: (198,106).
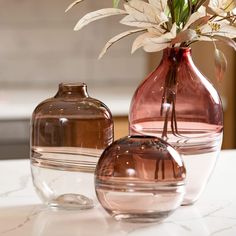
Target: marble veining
(22,213)
(23,181)
(35,211)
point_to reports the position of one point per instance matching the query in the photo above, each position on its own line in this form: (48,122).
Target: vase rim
(177,53)
(188,49)
(72,84)
(78,89)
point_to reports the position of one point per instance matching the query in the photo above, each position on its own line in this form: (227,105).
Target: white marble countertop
(20,103)
(22,214)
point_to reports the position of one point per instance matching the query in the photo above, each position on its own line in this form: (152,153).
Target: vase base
(142,217)
(72,202)
(188,202)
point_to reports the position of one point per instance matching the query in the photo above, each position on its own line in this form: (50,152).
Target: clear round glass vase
(140,179)
(68,134)
(177,103)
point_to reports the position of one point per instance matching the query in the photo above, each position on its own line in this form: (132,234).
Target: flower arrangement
(171,23)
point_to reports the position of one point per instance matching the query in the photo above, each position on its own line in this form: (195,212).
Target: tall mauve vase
(177,103)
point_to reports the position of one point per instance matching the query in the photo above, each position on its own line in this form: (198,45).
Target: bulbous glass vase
(68,134)
(176,102)
(140,179)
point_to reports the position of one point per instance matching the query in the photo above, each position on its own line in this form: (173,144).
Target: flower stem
(172,10)
(168,103)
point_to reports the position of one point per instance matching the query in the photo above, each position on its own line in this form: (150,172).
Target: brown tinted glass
(68,133)
(140,179)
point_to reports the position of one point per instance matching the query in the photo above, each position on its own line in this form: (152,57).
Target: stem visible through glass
(169,98)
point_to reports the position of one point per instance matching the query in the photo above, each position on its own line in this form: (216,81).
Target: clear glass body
(68,134)
(140,179)
(176,102)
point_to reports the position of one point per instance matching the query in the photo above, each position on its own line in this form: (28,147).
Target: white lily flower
(222,7)
(143,15)
(161,5)
(159,43)
(153,19)
(220,28)
(205,28)
(195,17)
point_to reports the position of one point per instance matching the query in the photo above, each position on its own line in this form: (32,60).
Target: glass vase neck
(177,54)
(72,89)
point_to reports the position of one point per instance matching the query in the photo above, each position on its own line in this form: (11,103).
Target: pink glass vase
(140,179)
(177,103)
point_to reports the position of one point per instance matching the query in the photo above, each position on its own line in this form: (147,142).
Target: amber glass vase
(176,102)
(68,134)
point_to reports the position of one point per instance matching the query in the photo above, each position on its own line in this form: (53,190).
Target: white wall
(38,47)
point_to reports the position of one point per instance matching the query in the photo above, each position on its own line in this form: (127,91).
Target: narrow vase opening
(71,89)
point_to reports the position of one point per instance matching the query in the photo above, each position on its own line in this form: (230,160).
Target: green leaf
(116,3)
(181,11)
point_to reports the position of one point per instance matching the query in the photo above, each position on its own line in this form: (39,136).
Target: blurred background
(39,49)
